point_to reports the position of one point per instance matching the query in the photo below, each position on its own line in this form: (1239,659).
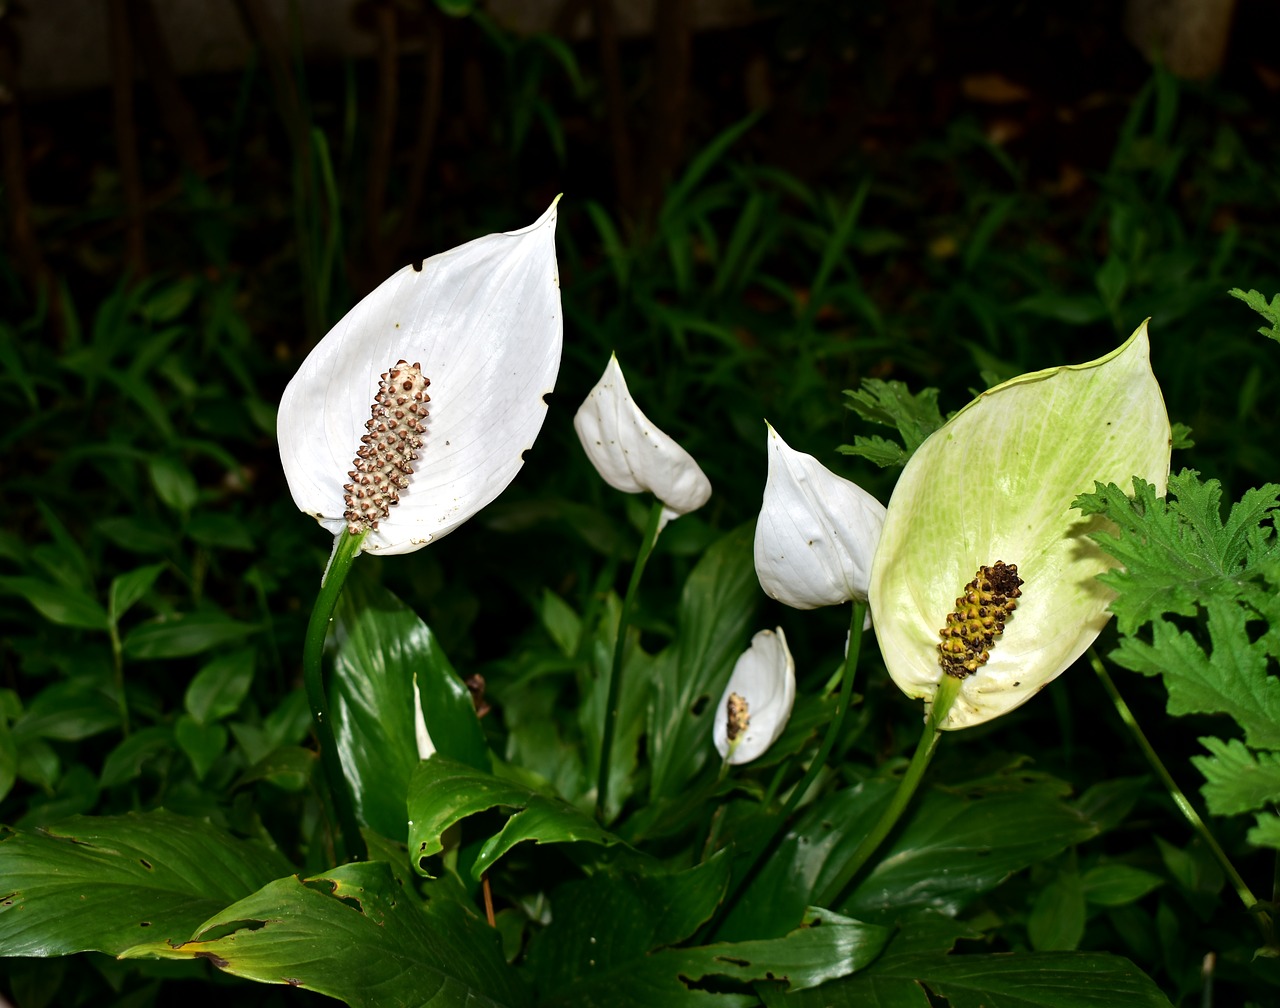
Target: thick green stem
(1188,810)
(346,549)
(948,689)
(619,645)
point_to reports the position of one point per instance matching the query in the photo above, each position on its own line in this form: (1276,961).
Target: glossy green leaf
(443,792)
(716,614)
(183,634)
(220,686)
(57,603)
(1009,980)
(68,712)
(609,918)
(103,883)
(381,646)
(618,974)
(354,933)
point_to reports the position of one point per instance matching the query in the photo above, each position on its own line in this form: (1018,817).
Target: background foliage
(821,197)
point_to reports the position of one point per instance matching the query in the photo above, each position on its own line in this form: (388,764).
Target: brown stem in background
(428,125)
(126,134)
(13,168)
(606,24)
(387,57)
(673,34)
(176,113)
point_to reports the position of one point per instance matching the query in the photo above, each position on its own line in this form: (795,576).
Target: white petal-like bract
(996,483)
(484,321)
(633,455)
(816,533)
(758,699)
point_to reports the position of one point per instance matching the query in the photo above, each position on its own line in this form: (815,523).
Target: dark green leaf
(125,761)
(173,483)
(381,647)
(57,603)
(1269,311)
(1113,885)
(892,404)
(126,589)
(1056,922)
(443,792)
(68,712)
(203,743)
(220,686)
(1009,980)
(103,883)
(183,634)
(356,934)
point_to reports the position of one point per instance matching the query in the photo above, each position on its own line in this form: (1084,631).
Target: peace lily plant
(984,583)
(386,466)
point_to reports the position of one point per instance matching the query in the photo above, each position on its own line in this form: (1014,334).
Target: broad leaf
(443,792)
(1010,980)
(356,934)
(381,646)
(100,884)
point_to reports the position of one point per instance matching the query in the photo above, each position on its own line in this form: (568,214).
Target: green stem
(1184,804)
(346,549)
(619,645)
(945,696)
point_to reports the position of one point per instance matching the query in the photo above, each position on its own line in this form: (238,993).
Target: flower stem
(1184,804)
(947,692)
(834,727)
(619,645)
(346,549)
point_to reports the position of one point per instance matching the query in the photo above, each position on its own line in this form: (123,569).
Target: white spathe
(484,321)
(765,679)
(816,534)
(996,482)
(631,453)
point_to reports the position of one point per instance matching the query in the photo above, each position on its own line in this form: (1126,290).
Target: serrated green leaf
(1231,678)
(443,792)
(890,403)
(100,884)
(220,686)
(356,934)
(1177,551)
(1271,311)
(1237,780)
(1267,831)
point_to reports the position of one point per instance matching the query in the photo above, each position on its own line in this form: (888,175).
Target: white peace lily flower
(481,325)
(816,533)
(631,454)
(984,565)
(758,699)
(421,737)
